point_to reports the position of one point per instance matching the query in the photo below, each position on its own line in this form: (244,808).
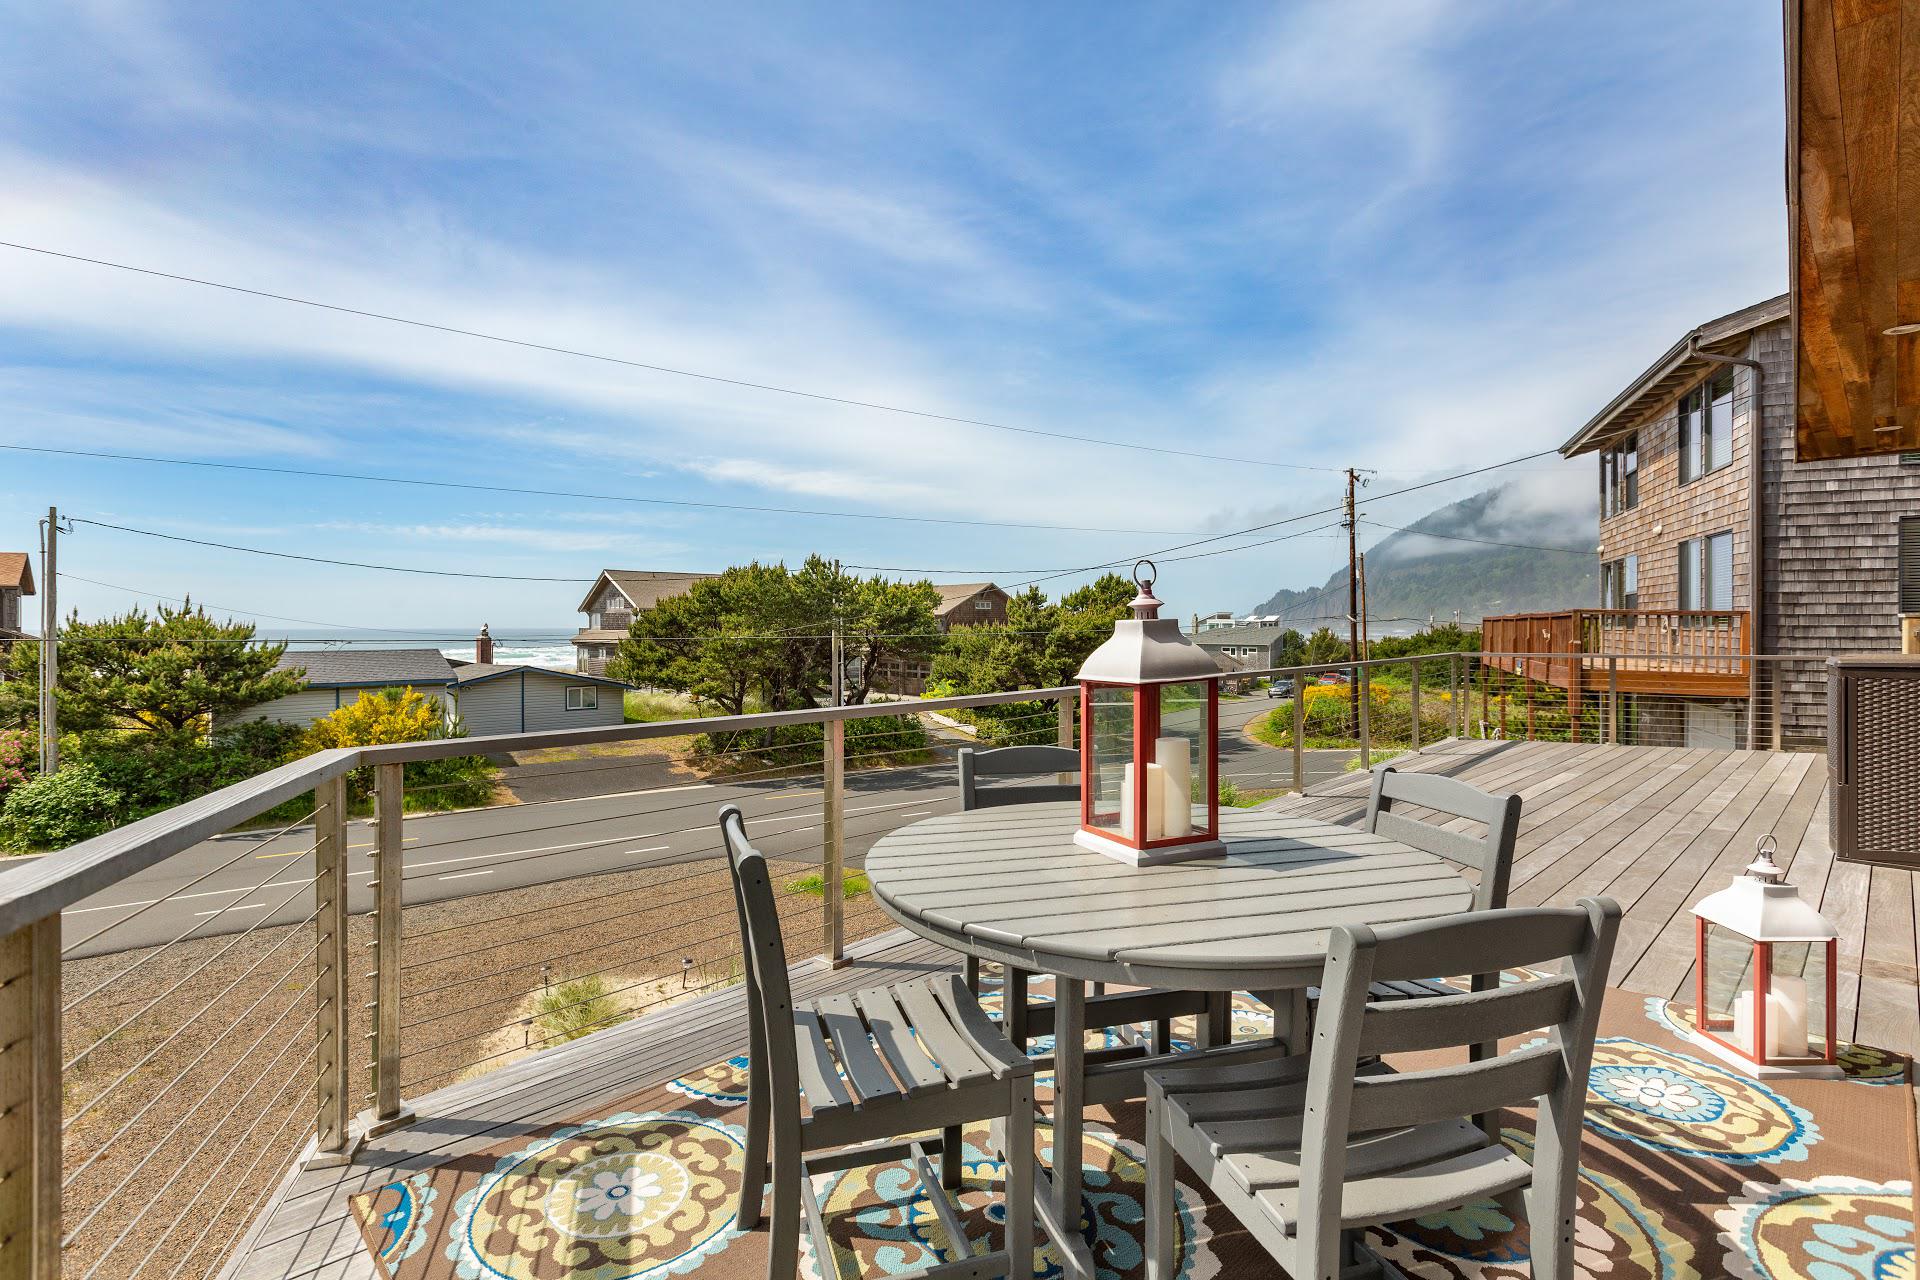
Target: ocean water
(532,651)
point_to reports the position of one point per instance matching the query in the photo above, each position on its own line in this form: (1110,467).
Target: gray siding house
(494,698)
(337,677)
(1251,647)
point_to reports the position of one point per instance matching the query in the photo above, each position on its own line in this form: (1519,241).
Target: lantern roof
(1761,905)
(1148,651)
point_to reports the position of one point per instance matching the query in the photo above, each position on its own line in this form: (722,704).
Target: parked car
(1281,688)
(1336,677)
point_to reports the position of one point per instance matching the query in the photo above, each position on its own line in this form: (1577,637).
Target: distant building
(1249,645)
(962,604)
(617,595)
(16,581)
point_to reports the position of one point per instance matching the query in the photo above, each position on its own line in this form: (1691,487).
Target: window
(1706,427)
(1706,572)
(983,605)
(1620,583)
(582,697)
(1620,477)
(1909,570)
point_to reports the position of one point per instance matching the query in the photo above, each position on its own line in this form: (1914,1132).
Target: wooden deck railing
(1685,652)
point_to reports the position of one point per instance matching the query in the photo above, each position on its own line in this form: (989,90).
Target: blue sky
(1411,237)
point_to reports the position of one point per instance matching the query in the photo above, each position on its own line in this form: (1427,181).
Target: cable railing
(191,1016)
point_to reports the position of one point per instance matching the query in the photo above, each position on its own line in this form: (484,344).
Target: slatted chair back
(1346,1103)
(764,958)
(1490,854)
(1010,762)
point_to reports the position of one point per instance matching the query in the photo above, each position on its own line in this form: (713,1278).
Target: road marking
(244,906)
(915,813)
(462,875)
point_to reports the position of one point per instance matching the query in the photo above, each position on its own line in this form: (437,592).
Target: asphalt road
(241,882)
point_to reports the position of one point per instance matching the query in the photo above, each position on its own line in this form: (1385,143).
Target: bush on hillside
(58,809)
(381,717)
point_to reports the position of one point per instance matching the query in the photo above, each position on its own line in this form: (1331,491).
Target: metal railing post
(389,791)
(833,817)
(1413,703)
(1066,736)
(330,960)
(1366,718)
(30,1100)
(1454,720)
(1300,733)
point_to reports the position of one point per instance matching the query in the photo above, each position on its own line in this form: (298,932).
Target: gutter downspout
(1756,536)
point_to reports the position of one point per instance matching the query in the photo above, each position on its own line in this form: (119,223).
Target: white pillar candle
(1174,754)
(1156,802)
(1126,804)
(1786,1019)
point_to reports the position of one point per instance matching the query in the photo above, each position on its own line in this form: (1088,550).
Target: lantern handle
(1144,605)
(1763,866)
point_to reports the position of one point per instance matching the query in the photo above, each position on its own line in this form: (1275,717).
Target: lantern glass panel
(1797,1003)
(1186,762)
(1110,726)
(1726,964)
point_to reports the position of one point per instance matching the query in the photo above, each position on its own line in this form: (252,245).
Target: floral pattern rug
(1688,1169)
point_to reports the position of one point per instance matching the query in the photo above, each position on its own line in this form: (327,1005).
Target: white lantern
(1764,974)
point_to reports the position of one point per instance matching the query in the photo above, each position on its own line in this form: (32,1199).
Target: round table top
(1009,884)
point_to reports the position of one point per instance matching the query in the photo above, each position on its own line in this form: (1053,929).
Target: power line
(1258,528)
(1485,542)
(649,367)
(371,478)
(350,564)
(208,604)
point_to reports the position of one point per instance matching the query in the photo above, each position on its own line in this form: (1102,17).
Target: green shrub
(814,885)
(577,1008)
(876,741)
(58,809)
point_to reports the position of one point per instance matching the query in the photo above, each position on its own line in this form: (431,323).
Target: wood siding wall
(10,609)
(1832,539)
(504,706)
(1715,503)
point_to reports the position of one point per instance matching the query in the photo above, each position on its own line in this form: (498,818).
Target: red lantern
(1764,974)
(1149,741)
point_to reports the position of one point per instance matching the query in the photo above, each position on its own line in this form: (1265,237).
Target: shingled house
(16,581)
(1715,539)
(617,595)
(962,604)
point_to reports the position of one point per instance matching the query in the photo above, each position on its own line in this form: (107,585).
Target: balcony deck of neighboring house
(1654,827)
(1680,652)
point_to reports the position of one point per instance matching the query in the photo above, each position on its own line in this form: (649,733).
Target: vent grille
(1910,564)
(1887,753)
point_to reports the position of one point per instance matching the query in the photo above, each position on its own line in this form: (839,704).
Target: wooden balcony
(1700,653)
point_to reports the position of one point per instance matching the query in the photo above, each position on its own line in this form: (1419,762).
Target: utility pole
(1353,596)
(1366,648)
(839,667)
(49,641)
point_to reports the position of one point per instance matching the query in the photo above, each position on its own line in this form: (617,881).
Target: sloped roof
(16,571)
(1267,636)
(347,668)
(958,593)
(479,672)
(1671,374)
(643,588)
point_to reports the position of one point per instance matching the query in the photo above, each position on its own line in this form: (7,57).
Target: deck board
(1655,827)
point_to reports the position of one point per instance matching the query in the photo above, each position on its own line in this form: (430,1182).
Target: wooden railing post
(833,851)
(1066,736)
(1613,700)
(330,960)
(1300,733)
(389,798)
(30,1099)
(1454,720)
(1413,701)
(1366,717)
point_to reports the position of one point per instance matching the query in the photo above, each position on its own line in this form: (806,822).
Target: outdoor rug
(1688,1169)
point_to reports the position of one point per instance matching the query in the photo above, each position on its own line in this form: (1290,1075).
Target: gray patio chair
(1490,854)
(869,1066)
(1308,1149)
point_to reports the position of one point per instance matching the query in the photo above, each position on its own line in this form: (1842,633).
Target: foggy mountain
(1430,567)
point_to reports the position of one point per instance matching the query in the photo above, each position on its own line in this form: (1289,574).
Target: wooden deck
(1654,827)
(1657,828)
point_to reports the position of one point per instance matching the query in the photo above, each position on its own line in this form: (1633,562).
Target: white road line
(916,813)
(243,906)
(462,875)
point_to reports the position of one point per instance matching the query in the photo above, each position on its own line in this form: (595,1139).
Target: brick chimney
(483,645)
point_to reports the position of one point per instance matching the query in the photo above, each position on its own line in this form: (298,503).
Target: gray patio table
(1008,884)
